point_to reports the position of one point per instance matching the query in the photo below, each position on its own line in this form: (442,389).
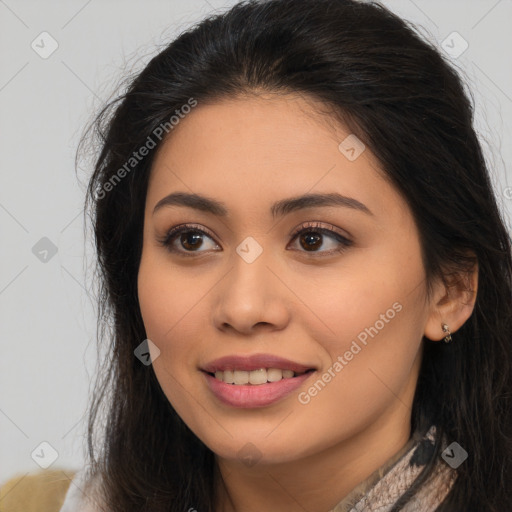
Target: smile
(255,377)
(256,380)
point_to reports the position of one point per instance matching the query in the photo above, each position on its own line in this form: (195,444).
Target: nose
(251,298)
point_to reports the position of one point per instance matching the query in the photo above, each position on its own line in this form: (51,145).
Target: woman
(307,272)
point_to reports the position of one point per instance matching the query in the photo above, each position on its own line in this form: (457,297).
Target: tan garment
(43,491)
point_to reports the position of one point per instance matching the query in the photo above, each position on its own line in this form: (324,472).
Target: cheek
(168,314)
(370,287)
(167,297)
(168,305)
(371,315)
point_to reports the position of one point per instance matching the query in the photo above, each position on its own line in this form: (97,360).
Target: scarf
(380,491)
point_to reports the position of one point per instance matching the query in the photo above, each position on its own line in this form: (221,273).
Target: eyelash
(314,227)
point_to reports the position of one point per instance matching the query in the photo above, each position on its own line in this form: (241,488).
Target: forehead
(254,149)
(269,124)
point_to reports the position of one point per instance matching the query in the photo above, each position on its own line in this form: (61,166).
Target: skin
(249,152)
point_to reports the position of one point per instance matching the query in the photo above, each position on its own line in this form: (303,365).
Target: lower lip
(254,395)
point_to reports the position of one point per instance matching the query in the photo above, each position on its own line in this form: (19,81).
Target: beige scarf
(386,485)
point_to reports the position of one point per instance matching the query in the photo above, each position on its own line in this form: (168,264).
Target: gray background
(47,318)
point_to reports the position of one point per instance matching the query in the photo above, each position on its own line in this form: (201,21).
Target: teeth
(274,374)
(255,377)
(241,377)
(229,376)
(258,376)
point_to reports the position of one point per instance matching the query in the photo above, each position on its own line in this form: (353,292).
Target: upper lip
(254,362)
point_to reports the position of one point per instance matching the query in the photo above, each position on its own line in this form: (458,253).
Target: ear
(452,303)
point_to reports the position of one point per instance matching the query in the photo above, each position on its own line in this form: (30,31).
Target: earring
(448,338)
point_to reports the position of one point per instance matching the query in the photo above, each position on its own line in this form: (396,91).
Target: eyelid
(191,227)
(321,226)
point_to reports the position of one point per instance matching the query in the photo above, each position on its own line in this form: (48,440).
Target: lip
(254,362)
(251,396)
(260,395)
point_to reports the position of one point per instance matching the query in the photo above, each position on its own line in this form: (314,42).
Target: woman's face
(346,299)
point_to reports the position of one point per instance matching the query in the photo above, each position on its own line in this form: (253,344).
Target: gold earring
(448,338)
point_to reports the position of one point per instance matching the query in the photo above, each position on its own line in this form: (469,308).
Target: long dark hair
(398,94)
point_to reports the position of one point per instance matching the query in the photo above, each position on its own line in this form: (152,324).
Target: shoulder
(43,491)
(84,494)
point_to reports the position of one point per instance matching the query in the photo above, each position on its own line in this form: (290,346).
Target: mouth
(246,385)
(257,377)
(256,370)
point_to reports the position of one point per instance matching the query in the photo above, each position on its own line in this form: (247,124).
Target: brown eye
(312,238)
(311,241)
(186,239)
(191,240)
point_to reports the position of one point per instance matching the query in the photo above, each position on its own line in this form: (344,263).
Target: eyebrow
(279,208)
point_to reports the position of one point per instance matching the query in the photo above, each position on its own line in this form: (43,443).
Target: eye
(311,235)
(187,239)
(190,238)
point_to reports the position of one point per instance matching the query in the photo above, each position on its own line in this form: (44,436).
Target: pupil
(310,238)
(186,237)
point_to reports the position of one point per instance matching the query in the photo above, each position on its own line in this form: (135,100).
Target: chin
(256,450)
